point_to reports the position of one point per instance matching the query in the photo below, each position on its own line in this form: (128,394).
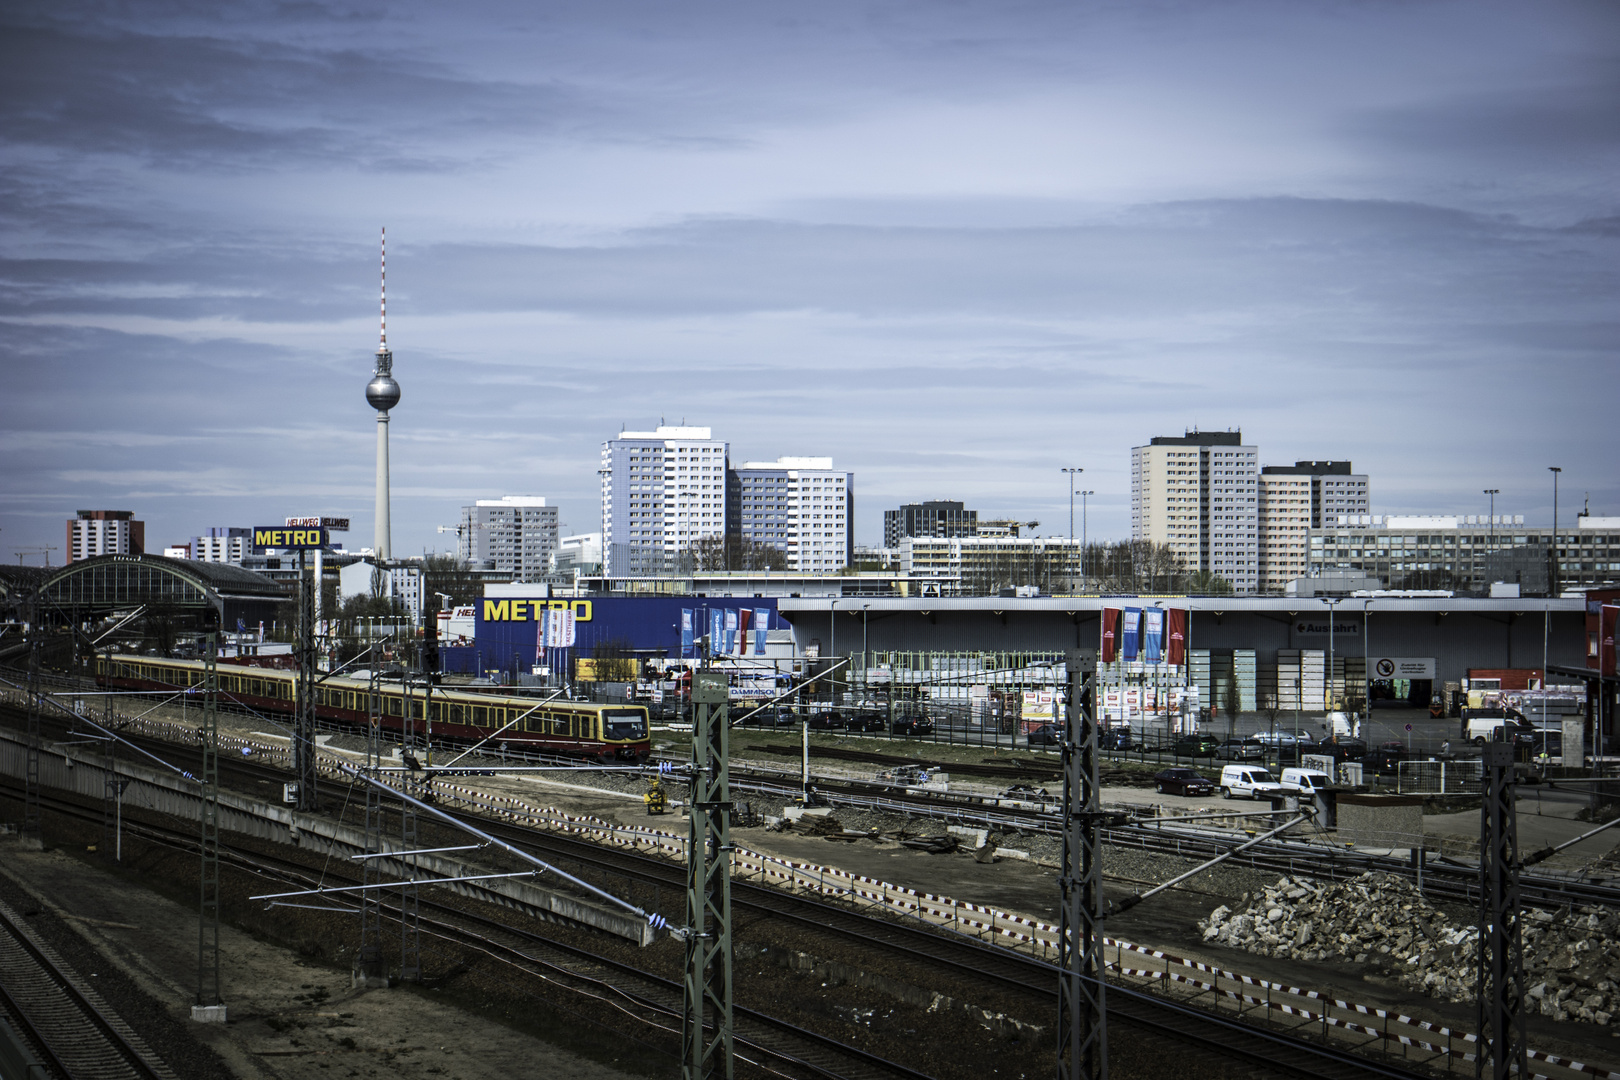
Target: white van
(1305,781)
(1250,781)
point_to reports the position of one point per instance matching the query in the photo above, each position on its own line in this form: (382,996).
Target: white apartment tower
(1198,493)
(1297,501)
(104,532)
(799,506)
(662,492)
(515,533)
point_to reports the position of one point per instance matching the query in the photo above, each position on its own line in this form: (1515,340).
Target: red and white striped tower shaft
(382,393)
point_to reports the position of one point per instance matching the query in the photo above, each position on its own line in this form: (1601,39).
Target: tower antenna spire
(383,341)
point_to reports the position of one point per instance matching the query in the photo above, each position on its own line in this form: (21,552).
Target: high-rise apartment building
(105,532)
(663,491)
(1285,528)
(515,533)
(801,507)
(1296,502)
(1339,497)
(935,518)
(1198,494)
(223,544)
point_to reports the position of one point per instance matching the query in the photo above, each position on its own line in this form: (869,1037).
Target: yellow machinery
(656,798)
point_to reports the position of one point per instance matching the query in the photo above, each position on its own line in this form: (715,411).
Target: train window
(255,687)
(536,722)
(455,714)
(351,701)
(481,716)
(625,723)
(393,705)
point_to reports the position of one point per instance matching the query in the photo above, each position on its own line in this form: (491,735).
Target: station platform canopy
(211,593)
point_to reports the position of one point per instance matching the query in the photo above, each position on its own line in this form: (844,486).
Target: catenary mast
(382,393)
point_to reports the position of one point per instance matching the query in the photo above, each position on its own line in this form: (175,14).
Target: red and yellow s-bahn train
(603,733)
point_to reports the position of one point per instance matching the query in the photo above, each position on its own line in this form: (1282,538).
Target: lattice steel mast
(1501,957)
(304,719)
(706,1052)
(32,831)
(208,991)
(1082,1008)
(368,968)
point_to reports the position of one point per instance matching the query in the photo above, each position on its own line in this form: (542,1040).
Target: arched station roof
(108,583)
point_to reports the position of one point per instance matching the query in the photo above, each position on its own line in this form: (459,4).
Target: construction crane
(44,549)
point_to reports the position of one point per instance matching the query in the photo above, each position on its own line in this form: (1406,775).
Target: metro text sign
(279,536)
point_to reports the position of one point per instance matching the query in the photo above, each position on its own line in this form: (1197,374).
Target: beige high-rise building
(1285,528)
(1298,501)
(1198,493)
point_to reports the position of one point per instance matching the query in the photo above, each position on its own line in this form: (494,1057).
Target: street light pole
(1083,540)
(1493,493)
(1071,474)
(1552,550)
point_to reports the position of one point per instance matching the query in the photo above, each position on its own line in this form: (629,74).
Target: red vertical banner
(744,617)
(1176,635)
(1608,616)
(1110,634)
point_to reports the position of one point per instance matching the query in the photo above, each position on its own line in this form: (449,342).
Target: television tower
(382,394)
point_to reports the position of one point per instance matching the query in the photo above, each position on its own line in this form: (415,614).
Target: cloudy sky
(954,246)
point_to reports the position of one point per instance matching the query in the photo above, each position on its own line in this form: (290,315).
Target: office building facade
(1199,494)
(516,534)
(663,492)
(799,505)
(105,532)
(936,518)
(1468,555)
(1298,500)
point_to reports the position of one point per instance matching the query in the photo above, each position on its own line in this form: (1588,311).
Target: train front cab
(624,734)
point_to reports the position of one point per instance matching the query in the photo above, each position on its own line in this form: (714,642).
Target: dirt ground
(295,1017)
(288,1019)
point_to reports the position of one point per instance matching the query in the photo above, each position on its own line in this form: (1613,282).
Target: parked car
(1046,735)
(1385,760)
(1115,739)
(1343,748)
(1181,782)
(1305,781)
(911,725)
(866,721)
(1196,746)
(1276,738)
(1240,750)
(826,720)
(1248,781)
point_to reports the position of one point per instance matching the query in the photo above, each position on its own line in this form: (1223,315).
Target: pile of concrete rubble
(1571,956)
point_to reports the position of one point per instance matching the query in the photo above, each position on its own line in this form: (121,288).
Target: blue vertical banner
(1130,636)
(731,630)
(686,633)
(762,623)
(717,631)
(1152,634)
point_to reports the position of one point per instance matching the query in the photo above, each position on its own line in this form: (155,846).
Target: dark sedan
(826,721)
(1181,782)
(1196,746)
(866,721)
(1046,735)
(912,725)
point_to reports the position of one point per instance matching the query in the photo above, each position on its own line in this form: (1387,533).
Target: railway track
(70,1028)
(937,949)
(1441,880)
(785,1048)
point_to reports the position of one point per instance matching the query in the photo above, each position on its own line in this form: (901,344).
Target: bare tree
(715,553)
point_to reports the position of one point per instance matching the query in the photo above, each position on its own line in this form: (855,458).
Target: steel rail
(298,873)
(89,1023)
